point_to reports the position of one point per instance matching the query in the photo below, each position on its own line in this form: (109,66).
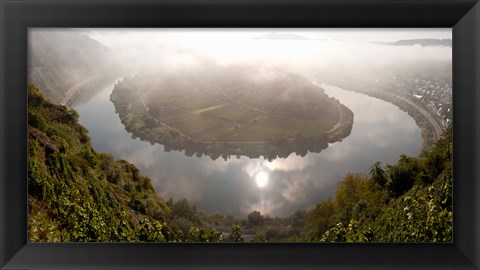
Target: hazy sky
(344,34)
(327,48)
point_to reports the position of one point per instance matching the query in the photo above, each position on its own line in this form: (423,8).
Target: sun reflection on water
(261,179)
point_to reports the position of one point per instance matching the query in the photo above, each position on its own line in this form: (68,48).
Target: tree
(378,175)
(350,191)
(438,158)
(184,208)
(402,175)
(236,235)
(259,237)
(319,220)
(255,218)
(183,215)
(297,220)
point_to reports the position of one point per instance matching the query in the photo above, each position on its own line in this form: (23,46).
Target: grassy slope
(76,194)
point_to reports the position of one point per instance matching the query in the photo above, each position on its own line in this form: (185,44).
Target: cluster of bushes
(408,201)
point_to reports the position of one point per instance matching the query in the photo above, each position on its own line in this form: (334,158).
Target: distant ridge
(423,42)
(59,60)
(275,35)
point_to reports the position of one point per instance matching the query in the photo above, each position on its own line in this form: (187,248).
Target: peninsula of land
(231,111)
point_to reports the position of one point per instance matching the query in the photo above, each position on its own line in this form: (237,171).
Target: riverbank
(431,130)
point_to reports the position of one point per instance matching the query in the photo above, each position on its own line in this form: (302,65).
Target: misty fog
(310,53)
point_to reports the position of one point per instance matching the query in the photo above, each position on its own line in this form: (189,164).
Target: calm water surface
(381,132)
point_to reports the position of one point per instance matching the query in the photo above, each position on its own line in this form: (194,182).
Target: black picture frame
(17,16)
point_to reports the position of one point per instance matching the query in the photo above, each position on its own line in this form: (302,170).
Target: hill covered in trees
(423,42)
(409,201)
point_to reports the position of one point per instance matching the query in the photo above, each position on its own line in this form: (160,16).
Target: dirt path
(340,119)
(143,101)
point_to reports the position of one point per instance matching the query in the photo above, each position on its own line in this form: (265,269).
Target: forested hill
(410,201)
(423,42)
(77,194)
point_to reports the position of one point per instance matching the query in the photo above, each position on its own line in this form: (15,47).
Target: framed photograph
(207,134)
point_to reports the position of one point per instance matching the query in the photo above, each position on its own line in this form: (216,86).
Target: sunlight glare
(262,179)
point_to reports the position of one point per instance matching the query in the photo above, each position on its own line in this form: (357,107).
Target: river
(381,132)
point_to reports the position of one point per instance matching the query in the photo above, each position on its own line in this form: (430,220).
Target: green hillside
(410,201)
(77,194)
